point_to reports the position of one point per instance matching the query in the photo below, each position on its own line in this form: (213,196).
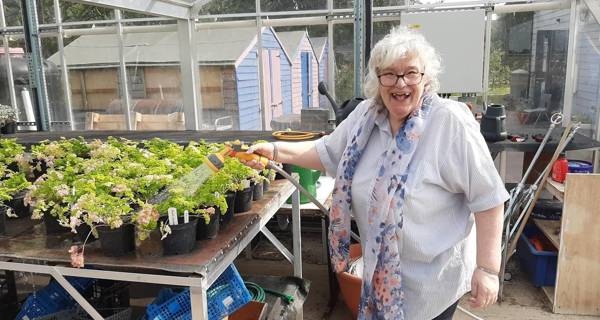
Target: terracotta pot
(350,285)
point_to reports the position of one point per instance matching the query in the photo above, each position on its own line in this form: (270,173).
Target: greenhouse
(410,159)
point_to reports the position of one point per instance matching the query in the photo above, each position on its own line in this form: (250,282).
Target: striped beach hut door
(305,69)
(272,100)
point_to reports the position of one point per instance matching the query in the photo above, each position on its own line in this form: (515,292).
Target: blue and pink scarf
(382,295)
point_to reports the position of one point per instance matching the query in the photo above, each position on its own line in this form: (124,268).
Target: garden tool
(530,196)
(268,164)
(517,197)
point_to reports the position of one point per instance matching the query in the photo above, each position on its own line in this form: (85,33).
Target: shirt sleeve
(469,169)
(331,147)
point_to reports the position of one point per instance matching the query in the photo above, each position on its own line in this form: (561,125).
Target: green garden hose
(258,293)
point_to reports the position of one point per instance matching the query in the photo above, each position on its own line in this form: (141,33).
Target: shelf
(551,229)
(557,189)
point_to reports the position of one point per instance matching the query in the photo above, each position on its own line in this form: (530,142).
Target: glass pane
(342,4)
(154,80)
(587,95)
(229,78)
(45,10)
(292,5)
(12,13)
(54,84)
(228,6)
(20,76)
(380,29)
(72,12)
(386,3)
(92,63)
(343,47)
(528,66)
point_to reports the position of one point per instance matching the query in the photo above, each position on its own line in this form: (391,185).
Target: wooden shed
(305,69)
(228,65)
(322,51)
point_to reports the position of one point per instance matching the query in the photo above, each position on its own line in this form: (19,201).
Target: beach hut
(305,72)
(320,45)
(228,65)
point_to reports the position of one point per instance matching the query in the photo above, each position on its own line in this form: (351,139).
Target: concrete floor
(522,299)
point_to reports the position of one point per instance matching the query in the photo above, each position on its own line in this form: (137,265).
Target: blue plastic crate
(540,265)
(225,296)
(52,298)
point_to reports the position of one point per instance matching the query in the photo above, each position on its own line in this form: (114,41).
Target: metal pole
(368,32)
(123,72)
(358,47)
(37,77)
(331,67)
(75,294)
(296,233)
(261,80)
(192,101)
(199,301)
(9,73)
(63,63)
(486,57)
(570,74)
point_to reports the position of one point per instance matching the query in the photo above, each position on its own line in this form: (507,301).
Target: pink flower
(77,260)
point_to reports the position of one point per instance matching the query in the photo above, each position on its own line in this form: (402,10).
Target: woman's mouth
(400,96)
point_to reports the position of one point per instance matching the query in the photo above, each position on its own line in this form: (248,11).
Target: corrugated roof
(319,45)
(291,41)
(215,46)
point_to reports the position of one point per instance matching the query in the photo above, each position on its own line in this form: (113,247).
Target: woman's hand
(265,149)
(484,289)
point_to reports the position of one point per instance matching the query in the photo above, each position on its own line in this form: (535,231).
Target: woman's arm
(485,281)
(303,154)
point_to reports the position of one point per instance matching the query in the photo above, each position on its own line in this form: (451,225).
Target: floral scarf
(382,296)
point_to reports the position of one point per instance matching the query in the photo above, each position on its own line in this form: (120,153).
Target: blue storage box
(540,265)
(227,294)
(52,299)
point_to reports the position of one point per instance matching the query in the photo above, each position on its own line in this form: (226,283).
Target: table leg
(198,299)
(502,165)
(296,233)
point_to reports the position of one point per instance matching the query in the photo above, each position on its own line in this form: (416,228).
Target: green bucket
(308,179)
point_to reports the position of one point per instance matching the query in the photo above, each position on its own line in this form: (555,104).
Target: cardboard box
(253,310)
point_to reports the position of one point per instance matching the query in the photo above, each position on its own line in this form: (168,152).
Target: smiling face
(401,99)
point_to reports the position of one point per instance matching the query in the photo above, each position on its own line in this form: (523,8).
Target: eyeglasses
(391,79)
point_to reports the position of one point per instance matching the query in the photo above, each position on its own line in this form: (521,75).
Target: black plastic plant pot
(9,128)
(210,230)
(226,218)
(117,242)
(257,191)
(83,230)
(182,239)
(243,200)
(287,168)
(266,185)
(43,167)
(52,225)
(18,205)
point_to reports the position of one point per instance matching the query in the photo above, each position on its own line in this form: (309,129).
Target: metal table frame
(198,284)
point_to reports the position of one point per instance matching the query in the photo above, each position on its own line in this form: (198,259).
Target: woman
(415,173)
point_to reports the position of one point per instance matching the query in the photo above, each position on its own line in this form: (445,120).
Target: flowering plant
(9,150)
(8,114)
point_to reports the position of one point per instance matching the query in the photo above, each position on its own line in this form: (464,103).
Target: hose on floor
(258,293)
(465,311)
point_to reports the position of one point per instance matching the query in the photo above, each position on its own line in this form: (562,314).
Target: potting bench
(27,248)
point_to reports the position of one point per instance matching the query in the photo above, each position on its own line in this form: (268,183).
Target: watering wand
(214,162)
(268,164)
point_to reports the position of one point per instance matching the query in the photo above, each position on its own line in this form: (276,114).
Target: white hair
(402,42)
